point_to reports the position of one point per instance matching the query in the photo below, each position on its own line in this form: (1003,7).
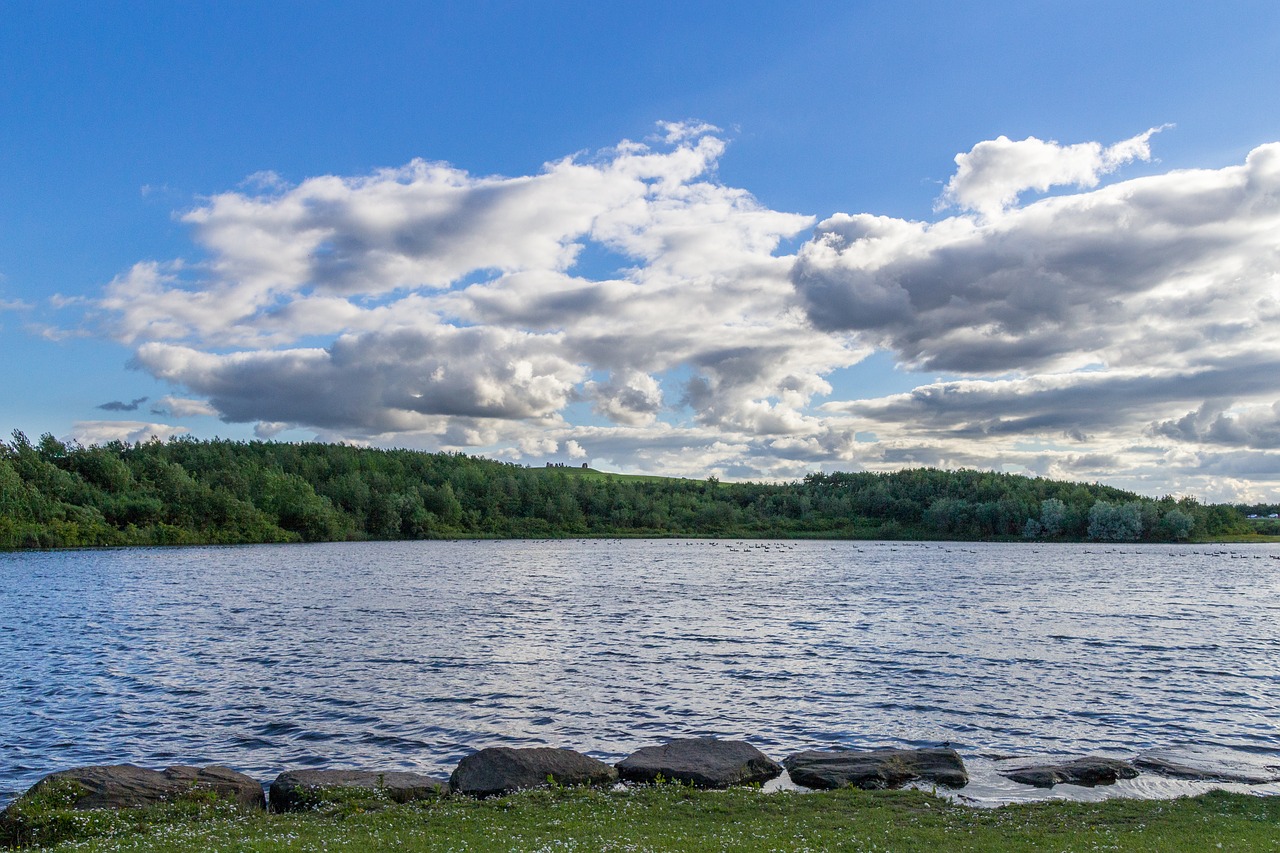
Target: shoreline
(986,785)
(825,536)
(671,817)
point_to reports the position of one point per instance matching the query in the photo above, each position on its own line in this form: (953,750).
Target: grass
(593,474)
(675,818)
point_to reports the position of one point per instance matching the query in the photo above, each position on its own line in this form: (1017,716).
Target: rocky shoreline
(706,763)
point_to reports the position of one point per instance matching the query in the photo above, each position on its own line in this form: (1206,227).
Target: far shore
(830,536)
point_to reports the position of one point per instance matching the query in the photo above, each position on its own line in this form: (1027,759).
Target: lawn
(676,818)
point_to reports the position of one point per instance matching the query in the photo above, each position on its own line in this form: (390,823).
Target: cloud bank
(627,307)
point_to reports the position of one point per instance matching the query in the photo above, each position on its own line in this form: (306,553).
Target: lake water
(411,655)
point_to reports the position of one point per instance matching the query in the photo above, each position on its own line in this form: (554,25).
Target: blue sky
(165,170)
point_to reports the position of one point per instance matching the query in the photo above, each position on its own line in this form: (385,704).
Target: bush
(1115,522)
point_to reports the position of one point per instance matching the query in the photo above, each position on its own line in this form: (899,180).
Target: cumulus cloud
(634,399)
(537,445)
(380,381)
(1256,427)
(991,176)
(1169,268)
(1110,317)
(182,407)
(131,432)
(267,430)
(1118,329)
(446,295)
(1072,405)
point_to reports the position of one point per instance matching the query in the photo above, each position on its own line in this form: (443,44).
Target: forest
(188,491)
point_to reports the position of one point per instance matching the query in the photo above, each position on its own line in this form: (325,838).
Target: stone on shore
(502,770)
(876,769)
(1204,765)
(124,786)
(701,762)
(298,790)
(1088,771)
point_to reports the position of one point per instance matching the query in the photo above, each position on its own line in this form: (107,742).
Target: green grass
(593,474)
(674,818)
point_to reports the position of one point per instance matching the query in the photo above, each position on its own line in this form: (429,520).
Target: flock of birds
(743,547)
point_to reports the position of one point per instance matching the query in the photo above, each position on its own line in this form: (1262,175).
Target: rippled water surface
(411,655)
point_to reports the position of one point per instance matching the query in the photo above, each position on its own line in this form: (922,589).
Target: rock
(124,786)
(1201,765)
(876,768)
(223,781)
(702,762)
(297,790)
(1088,771)
(501,770)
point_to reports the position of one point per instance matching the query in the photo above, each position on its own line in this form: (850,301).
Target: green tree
(1053,517)
(1176,524)
(1115,522)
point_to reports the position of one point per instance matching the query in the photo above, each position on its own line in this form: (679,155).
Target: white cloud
(57,334)
(266,430)
(633,399)
(380,266)
(1256,426)
(630,303)
(991,176)
(101,432)
(182,407)
(678,131)
(1166,269)
(394,380)
(537,445)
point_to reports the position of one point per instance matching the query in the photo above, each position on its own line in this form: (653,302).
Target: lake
(409,655)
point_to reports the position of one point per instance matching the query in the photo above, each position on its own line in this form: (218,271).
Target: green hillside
(186,492)
(593,474)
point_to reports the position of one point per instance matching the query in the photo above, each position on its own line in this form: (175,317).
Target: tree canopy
(187,491)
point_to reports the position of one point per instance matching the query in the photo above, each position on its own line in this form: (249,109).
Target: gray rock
(297,790)
(124,786)
(501,770)
(702,762)
(876,768)
(1088,771)
(1202,765)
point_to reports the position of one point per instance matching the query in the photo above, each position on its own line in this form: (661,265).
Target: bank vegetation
(187,491)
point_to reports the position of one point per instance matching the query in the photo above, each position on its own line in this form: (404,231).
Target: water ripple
(409,655)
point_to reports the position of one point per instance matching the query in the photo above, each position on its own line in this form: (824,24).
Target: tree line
(188,491)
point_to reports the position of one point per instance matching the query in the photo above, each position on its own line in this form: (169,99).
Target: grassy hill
(594,474)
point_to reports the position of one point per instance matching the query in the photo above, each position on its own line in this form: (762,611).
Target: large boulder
(124,786)
(876,769)
(502,770)
(701,762)
(1089,771)
(1204,765)
(297,790)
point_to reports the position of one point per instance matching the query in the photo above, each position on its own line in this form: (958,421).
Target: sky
(748,240)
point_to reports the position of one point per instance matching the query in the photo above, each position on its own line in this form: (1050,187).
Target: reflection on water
(410,655)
